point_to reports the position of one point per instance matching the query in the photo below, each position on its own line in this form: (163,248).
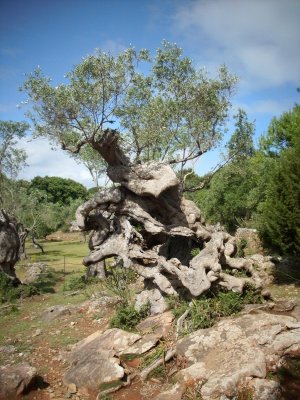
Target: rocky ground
(238,358)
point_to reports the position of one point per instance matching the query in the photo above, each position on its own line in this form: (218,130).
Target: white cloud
(43,161)
(114,46)
(10,52)
(259,38)
(270,106)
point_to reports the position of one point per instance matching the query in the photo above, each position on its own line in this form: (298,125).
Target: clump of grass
(241,248)
(10,292)
(158,373)
(127,317)
(245,394)
(78,282)
(109,385)
(195,252)
(119,279)
(205,311)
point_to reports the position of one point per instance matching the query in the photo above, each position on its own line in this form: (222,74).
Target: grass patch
(109,385)
(127,317)
(65,256)
(205,311)
(10,292)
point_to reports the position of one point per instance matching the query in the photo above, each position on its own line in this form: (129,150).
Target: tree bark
(9,245)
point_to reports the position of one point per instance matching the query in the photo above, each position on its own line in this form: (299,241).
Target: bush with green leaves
(205,311)
(79,282)
(10,292)
(127,317)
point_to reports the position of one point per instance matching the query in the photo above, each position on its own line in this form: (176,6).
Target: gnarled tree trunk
(147,222)
(9,245)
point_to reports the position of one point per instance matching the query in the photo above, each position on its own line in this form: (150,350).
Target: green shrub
(252,295)
(241,248)
(10,292)
(195,252)
(79,282)
(127,317)
(206,310)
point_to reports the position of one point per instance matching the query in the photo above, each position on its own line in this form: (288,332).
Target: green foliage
(280,220)
(127,317)
(59,190)
(195,252)
(158,372)
(173,111)
(119,279)
(240,145)
(12,159)
(251,295)
(245,393)
(79,282)
(282,133)
(229,198)
(153,355)
(241,247)
(10,292)
(30,202)
(206,310)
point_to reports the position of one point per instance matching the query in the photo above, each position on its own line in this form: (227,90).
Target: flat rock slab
(95,359)
(157,324)
(235,351)
(54,312)
(15,379)
(153,328)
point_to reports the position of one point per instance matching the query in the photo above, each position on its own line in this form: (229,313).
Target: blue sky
(257,39)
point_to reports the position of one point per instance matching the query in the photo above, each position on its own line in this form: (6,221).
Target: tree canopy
(173,112)
(12,159)
(260,188)
(59,190)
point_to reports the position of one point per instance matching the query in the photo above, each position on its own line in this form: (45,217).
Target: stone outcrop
(97,359)
(16,379)
(230,359)
(235,355)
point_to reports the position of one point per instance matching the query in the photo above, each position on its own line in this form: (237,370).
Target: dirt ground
(43,344)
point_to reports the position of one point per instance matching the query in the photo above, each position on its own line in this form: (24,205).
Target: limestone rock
(153,328)
(15,379)
(159,324)
(54,312)
(265,389)
(90,370)
(93,360)
(8,349)
(34,271)
(237,349)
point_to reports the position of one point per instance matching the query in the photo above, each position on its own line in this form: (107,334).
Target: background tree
(280,216)
(94,163)
(229,198)
(12,159)
(59,190)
